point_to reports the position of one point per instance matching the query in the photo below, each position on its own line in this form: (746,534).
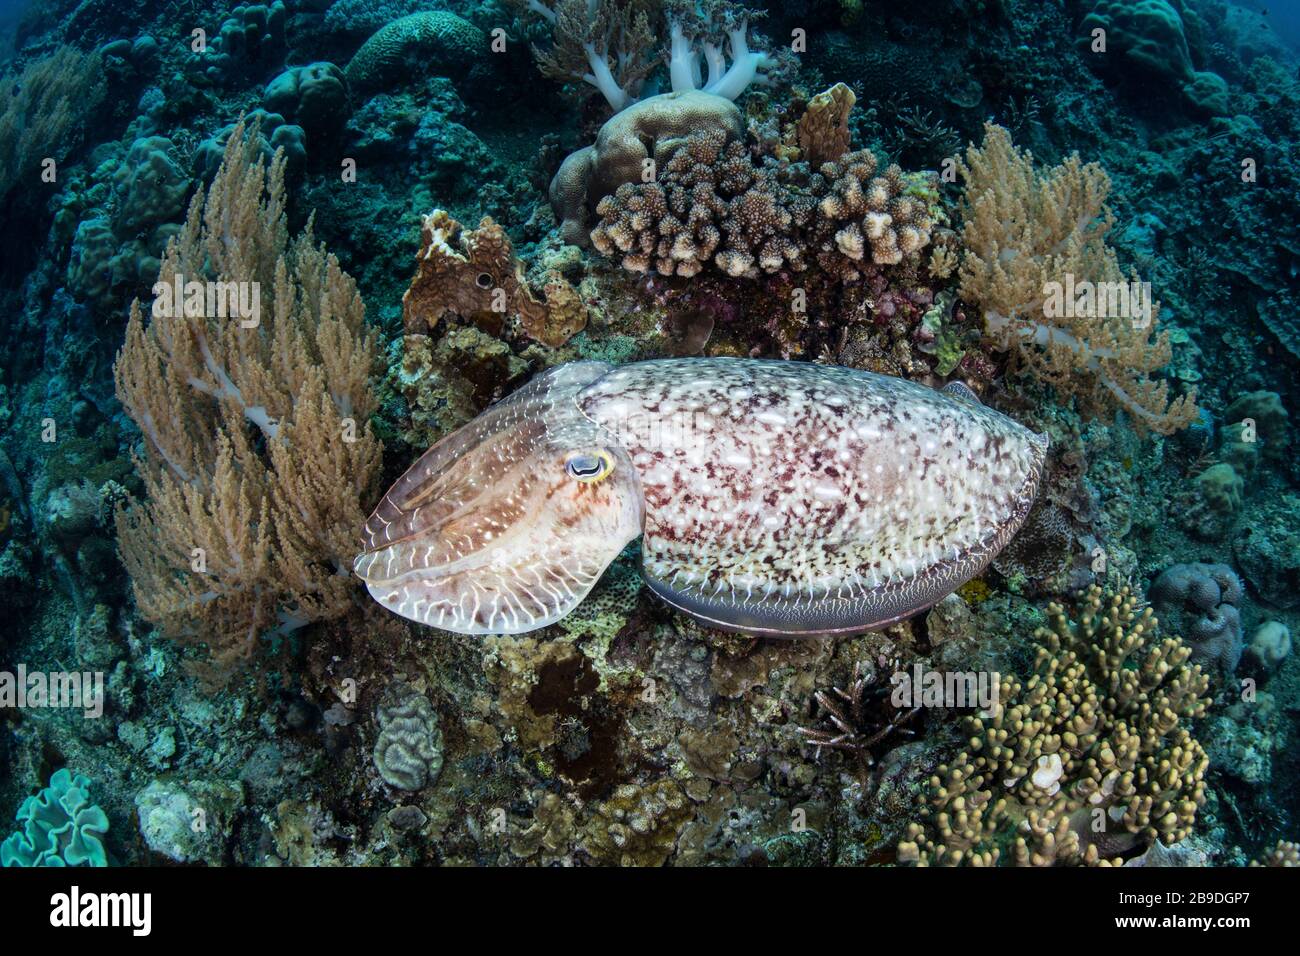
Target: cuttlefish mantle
(775,498)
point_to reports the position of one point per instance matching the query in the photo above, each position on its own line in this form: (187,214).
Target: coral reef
(1086,760)
(763,171)
(58,827)
(1025,230)
(237,539)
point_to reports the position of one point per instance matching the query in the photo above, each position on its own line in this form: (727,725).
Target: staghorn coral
(1087,759)
(713,204)
(1027,229)
(474,274)
(258,451)
(858,720)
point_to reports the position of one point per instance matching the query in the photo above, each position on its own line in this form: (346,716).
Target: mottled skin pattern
(486,533)
(775,498)
(782,497)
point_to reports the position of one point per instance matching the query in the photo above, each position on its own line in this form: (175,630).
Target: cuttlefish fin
(962,391)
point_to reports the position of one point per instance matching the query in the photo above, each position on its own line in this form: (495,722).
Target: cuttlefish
(774,498)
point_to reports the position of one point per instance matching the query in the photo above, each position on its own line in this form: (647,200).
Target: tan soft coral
(259,458)
(1026,229)
(474,274)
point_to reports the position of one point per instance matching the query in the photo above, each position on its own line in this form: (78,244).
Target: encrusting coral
(474,274)
(259,456)
(1087,759)
(1029,231)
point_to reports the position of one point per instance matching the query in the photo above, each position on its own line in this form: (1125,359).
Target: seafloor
(885,186)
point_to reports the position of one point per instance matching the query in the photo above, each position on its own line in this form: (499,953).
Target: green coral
(58,827)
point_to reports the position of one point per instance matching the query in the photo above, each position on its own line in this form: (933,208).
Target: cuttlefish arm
(505,525)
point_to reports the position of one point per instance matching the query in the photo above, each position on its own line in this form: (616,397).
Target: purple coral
(1199,603)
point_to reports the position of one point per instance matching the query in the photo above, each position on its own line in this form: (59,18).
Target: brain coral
(58,827)
(1199,603)
(651,129)
(408,751)
(431,42)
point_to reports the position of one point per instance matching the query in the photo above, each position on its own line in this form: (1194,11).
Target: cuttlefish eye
(589,466)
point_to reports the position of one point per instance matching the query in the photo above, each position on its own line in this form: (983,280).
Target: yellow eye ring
(589,467)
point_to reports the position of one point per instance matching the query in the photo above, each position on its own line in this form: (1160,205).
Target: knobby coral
(259,456)
(713,203)
(1087,759)
(1029,232)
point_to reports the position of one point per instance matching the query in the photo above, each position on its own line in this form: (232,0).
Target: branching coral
(612,46)
(645,135)
(1089,758)
(1029,233)
(712,203)
(44,109)
(606,43)
(259,457)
